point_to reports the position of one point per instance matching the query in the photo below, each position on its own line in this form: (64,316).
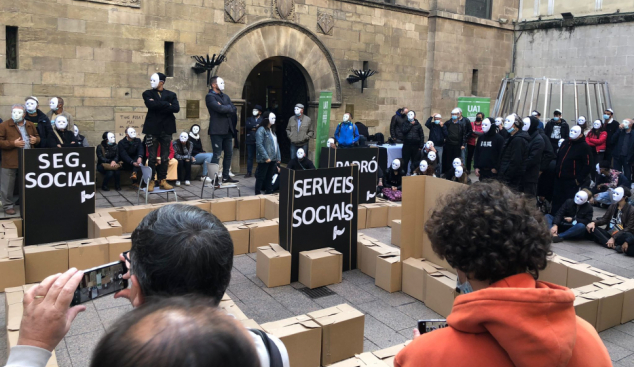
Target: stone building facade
(98,54)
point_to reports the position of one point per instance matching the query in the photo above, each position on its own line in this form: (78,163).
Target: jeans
(184,170)
(164,141)
(567,230)
(203,159)
(621,165)
(7,185)
(137,170)
(264,177)
(604,197)
(223,143)
(294,149)
(250,157)
(107,175)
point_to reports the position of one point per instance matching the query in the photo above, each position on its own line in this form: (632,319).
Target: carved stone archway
(269,38)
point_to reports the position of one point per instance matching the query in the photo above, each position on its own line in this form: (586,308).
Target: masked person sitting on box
(454,165)
(81,140)
(183,149)
(514,153)
(347,133)
(486,158)
(458,174)
(437,136)
(498,261)
(108,161)
(131,154)
(607,180)
(393,181)
(63,137)
(41,122)
(618,221)
(200,156)
(268,154)
(572,218)
(301,162)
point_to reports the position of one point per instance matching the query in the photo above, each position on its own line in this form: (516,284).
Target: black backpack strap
(275,357)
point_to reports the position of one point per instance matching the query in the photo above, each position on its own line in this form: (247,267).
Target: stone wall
(534,9)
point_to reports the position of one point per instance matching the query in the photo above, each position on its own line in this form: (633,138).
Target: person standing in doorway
(252,125)
(160,124)
(221,130)
(300,130)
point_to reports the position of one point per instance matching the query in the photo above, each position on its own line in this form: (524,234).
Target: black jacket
(436,133)
(220,113)
(160,112)
(580,213)
(304,164)
(198,146)
(503,133)
(392,179)
(465,131)
(251,126)
(627,217)
(618,140)
(68,139)
(573,160)
(107,153)
(549,154)
(487,150)
(130,151)
(396,125)
(534,157)
(621,181)
(413,133)
(44,128)
(554,135)
(513,159)
(611,129)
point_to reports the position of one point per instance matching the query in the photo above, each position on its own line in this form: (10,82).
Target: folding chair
(147,176)
(212,172)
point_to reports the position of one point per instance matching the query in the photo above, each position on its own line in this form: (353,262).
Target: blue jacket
(436,133)
(265,146)
(346,134)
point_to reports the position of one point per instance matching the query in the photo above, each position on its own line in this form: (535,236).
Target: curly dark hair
(489,232)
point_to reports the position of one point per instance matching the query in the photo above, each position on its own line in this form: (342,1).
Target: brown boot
(165,186)
(150,186)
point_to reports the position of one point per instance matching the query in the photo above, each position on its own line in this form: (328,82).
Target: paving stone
(249,293)
(619,338)
(382,234)
(352,293)
(380,334)
(617,353)
(61,352)
(80,347)
(109,302)
(390,316)
(255,280)
(393,299)
(109,315)
(297,302)
(627,328)
(330,301)
(368,346)
(418,311)
(268,311)
(237,277)
(3,346)
(86,322)
(244,264)
(357,277)
(629,273)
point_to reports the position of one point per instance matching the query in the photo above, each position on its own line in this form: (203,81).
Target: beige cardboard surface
(362,217)
(203,204)
(376,215)
(263,233)
(88,254)
(342,332)
(271,207)
(45,260)
(369,251)
(224,209)
(627,288)
(388,272)
(133,216)
(580,275)
(414,276)
(321,267)
(251,324)
(394,211)
(388,355)
(8,225)
(13,295)
(118,245)
(12,272)
(248,208)
(610,307)
(231,308)
(273,265)
(14,316)
(301,337)
(556,272)
(587,309)
(240,237)
(361,360)
(412,216)
(396,232)
(440,291)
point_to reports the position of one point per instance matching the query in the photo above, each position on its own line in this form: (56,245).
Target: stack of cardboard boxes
(380,358)
(12,271)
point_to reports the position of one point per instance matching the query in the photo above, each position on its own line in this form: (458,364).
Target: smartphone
(426,326)
(100,281)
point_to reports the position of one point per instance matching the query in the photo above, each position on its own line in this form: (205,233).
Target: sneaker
(178,183)
(229,179)
(619,249)
(187,183)
(248,175)
(205,179)
(165,186)
(231,174)
(150,186)
(557,239)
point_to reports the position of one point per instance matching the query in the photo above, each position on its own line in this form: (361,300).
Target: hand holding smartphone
(426,326)
(100,281)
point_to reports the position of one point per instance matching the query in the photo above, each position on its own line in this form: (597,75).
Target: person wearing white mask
(108,161)
(81,140)
(393,181)
(199,156)
(486,159)
(437,135)
(459,175)
(63,136)
(557,128)
(347,133)
(183,153)
(160,124)
(57,109)
(618,221)
(458,132)
(300,130)
(267,154)
(623,152)
(581,121)
(538,115)
(331,143)
(301,162)
(41,122)
(413,142)
(221,129)
(534,156)
(15,133)
(607,180)
(572,218)
(131,153)
(251,126)
(572,169)
(424,169)
(514,153)
(597,139)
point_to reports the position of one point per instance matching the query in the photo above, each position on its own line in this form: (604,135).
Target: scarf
(195,136)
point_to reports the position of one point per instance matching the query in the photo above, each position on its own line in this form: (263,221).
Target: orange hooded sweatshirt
(516,322)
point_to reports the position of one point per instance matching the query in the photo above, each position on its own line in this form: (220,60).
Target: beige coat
(305,133)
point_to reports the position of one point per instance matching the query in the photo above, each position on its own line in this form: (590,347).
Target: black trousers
(470,153)
(137,170)
(486,174)
(564,190)
(450,152)
(409,153)
(164,141)
(602,236)
(264,177)
(107,175)
(184,170)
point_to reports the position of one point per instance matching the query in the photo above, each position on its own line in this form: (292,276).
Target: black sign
(368,161)
(57,192)
(318,208)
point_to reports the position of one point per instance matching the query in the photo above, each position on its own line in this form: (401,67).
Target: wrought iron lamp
(207,64)
(360,75)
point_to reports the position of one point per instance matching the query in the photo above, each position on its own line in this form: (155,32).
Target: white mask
(111,138)
(31,105)
(575,132)
(626,124)
(346,117)
(75,130)
(527,124)
(184,137)
(255,112)
(300,154)
(509,122)
(457,163)
(534,113)
(618,194)
(581,198)
(298,111)
(154,81)
(396,164)
(423,166)
(498,121)
(330,143)
(410,115)
(431,156)
(195,130)
(61,123)
(429,145)
(581,121)
(131,133)
(17,114)
(486,125)
(597,124)
(459,172)
(561,141)
(598,169)
(272,118)
(53,103)
(221,84)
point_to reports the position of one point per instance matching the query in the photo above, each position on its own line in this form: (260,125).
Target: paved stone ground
(389,318)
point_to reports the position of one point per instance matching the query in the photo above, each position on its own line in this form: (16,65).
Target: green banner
(472,105)
(323,123)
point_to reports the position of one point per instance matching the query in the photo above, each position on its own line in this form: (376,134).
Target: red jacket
(158,152)
(476,129)
(516,322)
(597,142)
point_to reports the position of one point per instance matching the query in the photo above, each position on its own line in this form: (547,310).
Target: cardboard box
(361,217)
(248,208)
(118,245)
(393,213)
(240,237)
(301,337)
(9,228)
(376,215)
(45,260)
(88,254)
(580,275)
(271,207)
(12,295)
(440,291)
(556,271)
(388,272)
(133,216)
(627,287)
(361,360)
(273,265)
(17,222)
(12,272)
(224,209)
(203,204)
(388,355)
(369,251)
(251,324)
(587,309)
(414,276)
(232,309)
(321,267)
(610,308)
(342,329)
(14,316)
(396,232)
(103,225)
(263,233)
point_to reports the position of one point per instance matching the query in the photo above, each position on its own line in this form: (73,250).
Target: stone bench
(125,176)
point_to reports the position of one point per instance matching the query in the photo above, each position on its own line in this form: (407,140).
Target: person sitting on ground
(81,140)
(458,175)
(108,161)
(200,156)
(424,169)
(572,218)
(618,221)
(63,137)
(607,180)
(346,133)
(183,149)
(131,154)
(393,181)
(497,242)
(301,162)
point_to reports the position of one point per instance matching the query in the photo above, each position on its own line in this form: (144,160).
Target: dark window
(365,67)
(479,8)
(474,82)
(169,58)
(12,47)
